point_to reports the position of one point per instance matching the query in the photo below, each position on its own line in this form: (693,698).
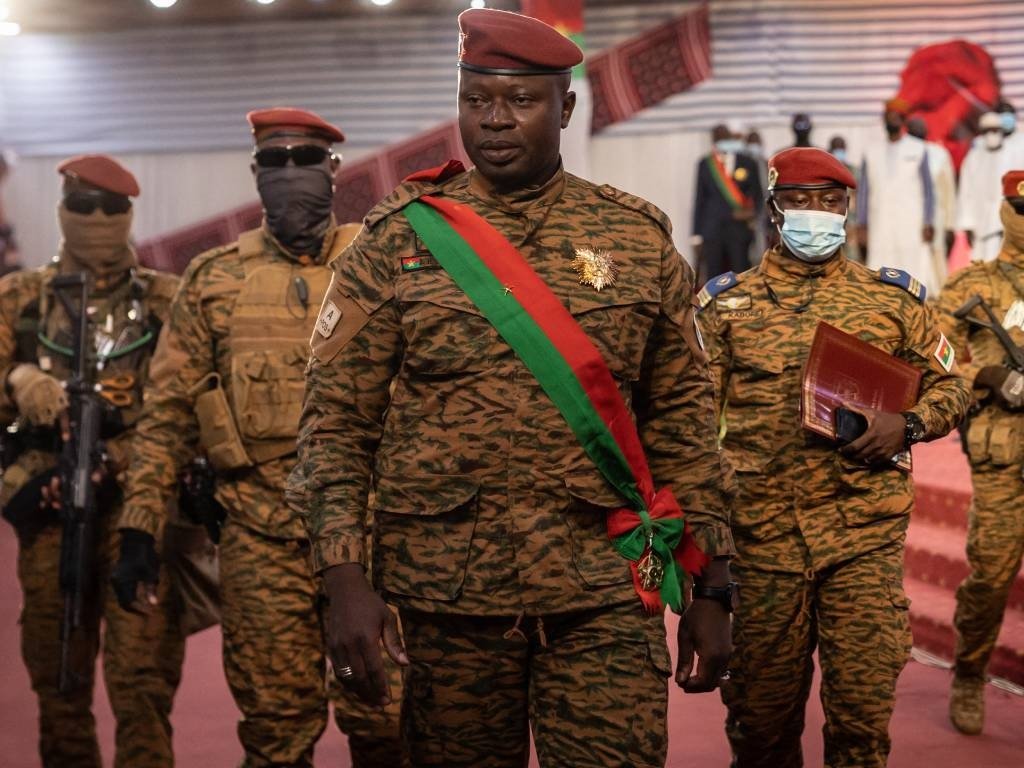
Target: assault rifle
(1014,354)
(80,458)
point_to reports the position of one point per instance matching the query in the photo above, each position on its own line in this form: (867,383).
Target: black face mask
(297,202)
(1017,204)
(893,129)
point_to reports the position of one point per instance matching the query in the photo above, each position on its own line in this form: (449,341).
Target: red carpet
(204,716)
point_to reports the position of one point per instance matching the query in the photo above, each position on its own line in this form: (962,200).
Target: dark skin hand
(705,630)
(145,594)
(358,623)
(884,438)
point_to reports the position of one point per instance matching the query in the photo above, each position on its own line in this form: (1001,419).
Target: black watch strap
(724,596)
(914,431)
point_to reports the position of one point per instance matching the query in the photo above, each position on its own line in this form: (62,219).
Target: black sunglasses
(86,201)
(300,154)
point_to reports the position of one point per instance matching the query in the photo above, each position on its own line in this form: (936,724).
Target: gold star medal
(594,267)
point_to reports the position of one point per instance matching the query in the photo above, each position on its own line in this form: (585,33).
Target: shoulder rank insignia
(904,280)
(715,286)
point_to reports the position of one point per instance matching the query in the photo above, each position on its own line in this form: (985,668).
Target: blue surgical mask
(839,154)
(812,236)
(729,146)
(1008,122)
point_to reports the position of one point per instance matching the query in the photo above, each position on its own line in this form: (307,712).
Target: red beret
(808,168)
(1013,184)
(101,171)
(505,43)
(263,120)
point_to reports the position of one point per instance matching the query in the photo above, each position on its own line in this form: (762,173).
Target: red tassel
(651,600)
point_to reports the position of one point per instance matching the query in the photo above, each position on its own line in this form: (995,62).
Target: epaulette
(413,188)
(637,204)
(715,286)
(904,280)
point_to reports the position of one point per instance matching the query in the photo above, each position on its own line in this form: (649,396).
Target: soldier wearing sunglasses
(229,378)
(127,306)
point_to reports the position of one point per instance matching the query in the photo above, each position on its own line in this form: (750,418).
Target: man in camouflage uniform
(127,305)
(819,531)
(489,519)
(227,377)
(995,446)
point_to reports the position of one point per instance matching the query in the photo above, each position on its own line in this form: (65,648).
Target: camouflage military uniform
(819,538)
(242,318)
(995,440)
(485,506)
(142,655)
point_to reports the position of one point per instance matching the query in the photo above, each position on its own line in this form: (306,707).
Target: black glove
(138,564)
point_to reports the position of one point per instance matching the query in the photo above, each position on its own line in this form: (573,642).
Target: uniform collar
(522,199)
(778,265)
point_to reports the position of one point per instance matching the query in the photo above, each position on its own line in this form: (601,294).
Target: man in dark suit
(728,190)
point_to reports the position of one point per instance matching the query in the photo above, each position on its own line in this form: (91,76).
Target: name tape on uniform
(328,320)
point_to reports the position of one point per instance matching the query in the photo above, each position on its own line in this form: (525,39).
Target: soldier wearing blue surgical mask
(819,526)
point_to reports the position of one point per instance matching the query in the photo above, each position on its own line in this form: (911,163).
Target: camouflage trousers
(275,659)
(142,658)
(592,684)
(856,615)
(995,541)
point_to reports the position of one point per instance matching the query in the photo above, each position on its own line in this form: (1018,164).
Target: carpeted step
(942,483)
(931,617)
(936,554)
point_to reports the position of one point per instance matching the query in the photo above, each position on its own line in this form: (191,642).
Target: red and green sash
(567,365)
(733,194)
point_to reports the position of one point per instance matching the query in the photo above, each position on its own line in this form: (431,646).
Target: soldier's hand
(705,630)
(358,622)
(1007,386)
(39,397)
(135,576)
(883,439)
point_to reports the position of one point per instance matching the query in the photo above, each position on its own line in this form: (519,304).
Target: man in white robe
(981,189)
(940,164)
(896,203)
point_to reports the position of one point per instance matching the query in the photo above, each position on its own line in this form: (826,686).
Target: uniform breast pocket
(445,332)
(267,390)
(619,325)
(756,377)
(423,528)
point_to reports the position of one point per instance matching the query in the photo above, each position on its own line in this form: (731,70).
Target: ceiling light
(477,3)
(381,2)
(9,28)
(264,2)
(163,3)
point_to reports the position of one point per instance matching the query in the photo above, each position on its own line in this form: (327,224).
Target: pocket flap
(592,488)
(759,358)
(619,296)
(424,494)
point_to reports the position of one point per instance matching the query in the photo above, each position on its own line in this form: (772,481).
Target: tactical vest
(268,334)
(124,331)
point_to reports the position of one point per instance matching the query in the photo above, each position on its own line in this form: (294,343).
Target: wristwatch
(726,596)
(914,431)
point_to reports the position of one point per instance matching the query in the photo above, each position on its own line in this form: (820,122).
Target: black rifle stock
(79,460)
